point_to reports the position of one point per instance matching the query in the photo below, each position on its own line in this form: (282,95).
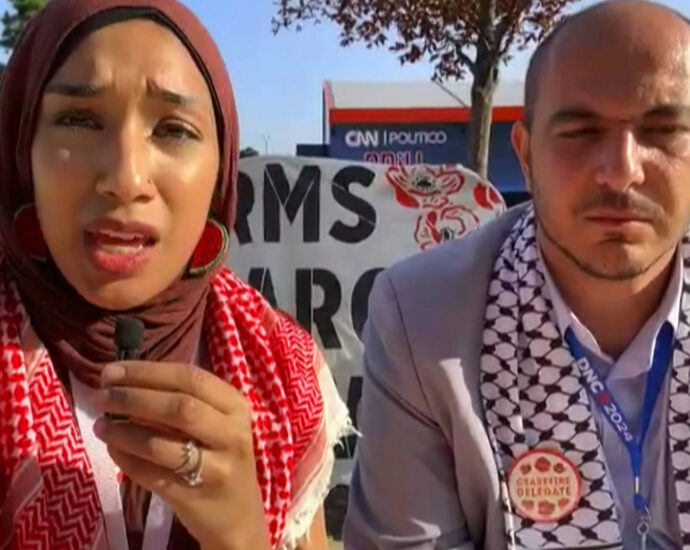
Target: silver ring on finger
(192,464)
(189,452)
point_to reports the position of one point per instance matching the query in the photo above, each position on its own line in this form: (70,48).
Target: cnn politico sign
(399,144)
(378,138)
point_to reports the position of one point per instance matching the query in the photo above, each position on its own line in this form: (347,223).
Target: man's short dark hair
(536,62)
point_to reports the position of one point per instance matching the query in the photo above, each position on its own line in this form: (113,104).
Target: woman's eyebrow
(75,90)
(169,96)
(92,90)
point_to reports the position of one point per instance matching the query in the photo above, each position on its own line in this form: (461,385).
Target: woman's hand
(170,404)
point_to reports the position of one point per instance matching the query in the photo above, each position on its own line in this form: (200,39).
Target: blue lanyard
(600,394)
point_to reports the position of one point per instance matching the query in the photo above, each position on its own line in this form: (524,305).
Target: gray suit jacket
(426,476)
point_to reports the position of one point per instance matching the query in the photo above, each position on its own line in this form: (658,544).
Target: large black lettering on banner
(365,211)
(304,194)
(322,316)
(245,203)
(359,303)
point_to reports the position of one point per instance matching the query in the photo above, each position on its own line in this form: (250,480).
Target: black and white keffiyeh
(534,398)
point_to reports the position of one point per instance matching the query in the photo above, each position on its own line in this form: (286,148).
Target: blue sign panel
(426,143)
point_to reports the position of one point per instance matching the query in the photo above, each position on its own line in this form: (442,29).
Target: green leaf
(15,20)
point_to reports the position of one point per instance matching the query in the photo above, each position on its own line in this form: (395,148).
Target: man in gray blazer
(528,386)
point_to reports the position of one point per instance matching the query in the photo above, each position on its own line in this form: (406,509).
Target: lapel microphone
(128,335)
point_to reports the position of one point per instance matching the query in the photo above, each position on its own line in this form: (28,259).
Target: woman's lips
(119,248)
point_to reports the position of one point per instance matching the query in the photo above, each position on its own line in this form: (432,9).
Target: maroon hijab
(78,334)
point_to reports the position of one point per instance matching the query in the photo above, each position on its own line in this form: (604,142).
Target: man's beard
(608,199)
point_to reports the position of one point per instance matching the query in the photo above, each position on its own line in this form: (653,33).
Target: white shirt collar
(637,358)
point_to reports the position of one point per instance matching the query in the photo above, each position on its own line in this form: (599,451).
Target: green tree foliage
(248,152)
(457,36)
(14,21)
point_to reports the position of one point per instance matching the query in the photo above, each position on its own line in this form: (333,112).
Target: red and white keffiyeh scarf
(48,496)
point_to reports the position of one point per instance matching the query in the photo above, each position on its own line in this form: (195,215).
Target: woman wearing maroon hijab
(118,170)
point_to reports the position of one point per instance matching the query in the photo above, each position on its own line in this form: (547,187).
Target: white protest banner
(312,234)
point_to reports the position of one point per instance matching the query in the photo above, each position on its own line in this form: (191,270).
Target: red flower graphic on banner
(438,226)
(451,200)
(486,196)
(425,186)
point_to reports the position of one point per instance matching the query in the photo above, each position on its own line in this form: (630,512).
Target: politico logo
(417,138)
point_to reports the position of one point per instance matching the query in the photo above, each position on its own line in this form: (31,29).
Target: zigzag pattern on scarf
(304,380)
(274,370)
(40,427)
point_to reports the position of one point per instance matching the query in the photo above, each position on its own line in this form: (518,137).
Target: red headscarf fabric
(78,334)
(48,496)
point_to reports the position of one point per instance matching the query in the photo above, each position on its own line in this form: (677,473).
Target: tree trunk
(485,77)
(480,125)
